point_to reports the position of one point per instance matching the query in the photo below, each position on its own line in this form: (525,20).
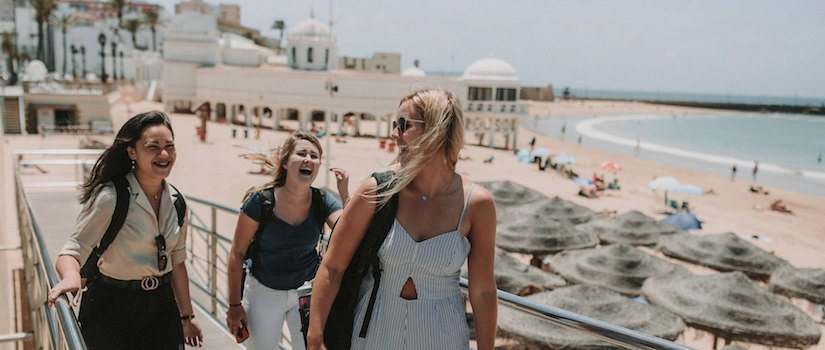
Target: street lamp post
(102,40)
(332,88)
(74,62)
(83,60)
(122,70)
(114,59)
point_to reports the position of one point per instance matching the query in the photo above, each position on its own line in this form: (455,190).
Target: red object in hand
(241,334)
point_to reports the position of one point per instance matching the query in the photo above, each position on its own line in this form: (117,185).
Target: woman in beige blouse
(140,298)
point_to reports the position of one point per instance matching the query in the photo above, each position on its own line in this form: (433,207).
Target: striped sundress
(436,320)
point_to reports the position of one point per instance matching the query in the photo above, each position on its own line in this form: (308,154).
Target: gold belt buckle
(149,283)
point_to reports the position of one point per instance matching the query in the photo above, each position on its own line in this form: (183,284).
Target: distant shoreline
(747,107)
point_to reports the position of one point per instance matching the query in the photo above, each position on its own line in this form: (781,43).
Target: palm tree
(64,21)
(133,25)
(118,6)
(42,11)
(153,19)
(8,49)
(280,25)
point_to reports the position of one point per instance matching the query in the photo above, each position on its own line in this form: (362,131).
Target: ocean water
(693,97)
(787,147)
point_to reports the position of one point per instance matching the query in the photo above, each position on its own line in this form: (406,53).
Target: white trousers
(266,309)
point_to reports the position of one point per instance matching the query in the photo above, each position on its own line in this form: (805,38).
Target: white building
(199,69)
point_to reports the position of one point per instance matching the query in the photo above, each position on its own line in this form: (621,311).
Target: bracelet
(235,305)
(187,317)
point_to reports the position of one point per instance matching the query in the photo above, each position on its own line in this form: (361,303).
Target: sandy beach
(213,170)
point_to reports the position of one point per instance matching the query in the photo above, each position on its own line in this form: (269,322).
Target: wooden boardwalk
(56,209)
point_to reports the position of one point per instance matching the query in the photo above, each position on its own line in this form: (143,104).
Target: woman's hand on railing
(235,315)
(69,284)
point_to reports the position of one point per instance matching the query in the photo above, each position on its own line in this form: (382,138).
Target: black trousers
(115,318)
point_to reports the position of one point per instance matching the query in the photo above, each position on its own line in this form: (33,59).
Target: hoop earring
(133,165)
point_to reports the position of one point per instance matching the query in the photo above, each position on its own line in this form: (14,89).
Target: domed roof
(310,28)
(36,71)
(490,68)
(413,72)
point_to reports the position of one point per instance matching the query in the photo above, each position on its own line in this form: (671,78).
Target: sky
(739,47)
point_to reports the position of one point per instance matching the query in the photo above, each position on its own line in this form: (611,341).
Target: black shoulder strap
(267,206)
(180,205)
(119,216)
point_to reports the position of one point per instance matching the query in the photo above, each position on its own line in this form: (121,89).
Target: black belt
(148,283)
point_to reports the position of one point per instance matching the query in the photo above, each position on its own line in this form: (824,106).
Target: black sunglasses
(162,259)
(402,124)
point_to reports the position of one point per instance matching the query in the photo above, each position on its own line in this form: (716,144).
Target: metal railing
(213,266)
(54,327)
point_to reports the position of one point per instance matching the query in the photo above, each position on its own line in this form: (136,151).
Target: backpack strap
(89,269)
(119,216)
(267,207)
(180,205)
(380,226)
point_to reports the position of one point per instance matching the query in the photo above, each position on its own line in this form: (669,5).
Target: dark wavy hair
(115,161)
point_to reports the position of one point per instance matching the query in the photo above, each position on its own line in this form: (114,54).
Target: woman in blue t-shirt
(285,253)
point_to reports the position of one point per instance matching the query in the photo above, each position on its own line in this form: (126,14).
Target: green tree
(8,49)
(152,19)
(133,25)
(42,12)
(279,25)
(118,6)
(64,21)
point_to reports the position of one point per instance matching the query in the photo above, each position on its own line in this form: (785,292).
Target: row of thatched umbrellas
(728,305)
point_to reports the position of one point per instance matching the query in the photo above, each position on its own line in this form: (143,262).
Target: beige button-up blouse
(133,254)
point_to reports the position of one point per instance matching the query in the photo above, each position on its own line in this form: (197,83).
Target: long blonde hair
(276,161)
(443,137)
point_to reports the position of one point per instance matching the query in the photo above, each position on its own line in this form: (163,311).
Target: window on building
(294,56)
(480,94)
(309,55)
(505,94)
(326,57)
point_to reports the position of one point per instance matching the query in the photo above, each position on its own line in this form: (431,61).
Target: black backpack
(90,269)
(340,322)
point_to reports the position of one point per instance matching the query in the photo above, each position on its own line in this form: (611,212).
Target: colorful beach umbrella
(611,166)
(683,220)
(541,153)
(687,189)
(565,158)
(663,183)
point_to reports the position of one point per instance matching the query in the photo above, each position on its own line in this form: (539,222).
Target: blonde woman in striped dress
(443,219)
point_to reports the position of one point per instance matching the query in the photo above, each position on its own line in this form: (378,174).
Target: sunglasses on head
(162,258)
(402,124)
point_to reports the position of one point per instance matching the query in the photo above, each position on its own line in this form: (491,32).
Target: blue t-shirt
(287,255)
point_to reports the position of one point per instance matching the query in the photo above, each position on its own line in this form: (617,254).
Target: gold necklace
(424,196)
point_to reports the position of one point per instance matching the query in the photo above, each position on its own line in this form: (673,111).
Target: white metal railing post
(213,259)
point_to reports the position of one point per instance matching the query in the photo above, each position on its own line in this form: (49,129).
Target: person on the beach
(733,173)
(281,222)
(442,219)
(755,169)
(779,206)
(138,297)
(532,143)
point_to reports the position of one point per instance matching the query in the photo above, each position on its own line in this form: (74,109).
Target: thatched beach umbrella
(518,278)
(723,252)
(510,194)
(799,283)
(619,267)
(542,237)
(632,228)
(733,307)
(553,209)
(592,301)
